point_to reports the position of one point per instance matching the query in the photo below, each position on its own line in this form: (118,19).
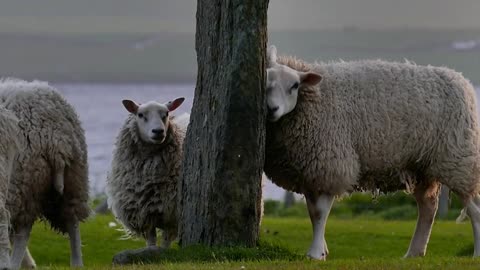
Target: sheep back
(54,138)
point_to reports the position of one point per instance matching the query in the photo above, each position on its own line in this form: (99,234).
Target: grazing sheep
(50,176)
(339,127)
(9,146)
(142,183)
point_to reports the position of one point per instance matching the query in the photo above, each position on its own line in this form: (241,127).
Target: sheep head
(283,84)
(152,118)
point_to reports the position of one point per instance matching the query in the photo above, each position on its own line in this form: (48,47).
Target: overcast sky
(179,15)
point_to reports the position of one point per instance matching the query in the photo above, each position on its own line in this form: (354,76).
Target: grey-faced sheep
(50,175)
(9,147)
(142,183)
(339,127)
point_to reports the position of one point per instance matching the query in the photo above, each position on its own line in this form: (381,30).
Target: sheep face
(283,84)
(152,118)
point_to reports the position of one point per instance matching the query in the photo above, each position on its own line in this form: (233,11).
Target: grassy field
(358,243)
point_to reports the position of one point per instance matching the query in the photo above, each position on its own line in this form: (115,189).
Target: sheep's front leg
(20,241)
(426,196)
(4,239)
(75,244)
(319,209)
(151,237)
(168,237)
(473,211)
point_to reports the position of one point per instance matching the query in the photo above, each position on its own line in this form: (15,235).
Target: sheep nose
(158,131)
(272,110)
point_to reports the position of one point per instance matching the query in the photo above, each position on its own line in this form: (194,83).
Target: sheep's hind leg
(151,237)
(28,262)
(75,244)
(319,209)
(20,241)
(473,211)
(426,195)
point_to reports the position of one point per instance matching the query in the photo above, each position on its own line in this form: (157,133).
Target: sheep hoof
(319,256)
(28,265)
(414,254)
(76,265)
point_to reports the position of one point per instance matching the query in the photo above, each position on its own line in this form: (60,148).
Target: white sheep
(339,127)
(50,175)
(142,183)
(9,147)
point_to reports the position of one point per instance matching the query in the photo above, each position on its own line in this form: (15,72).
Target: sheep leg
(312,220)
(152,237)
(73,231)
(59,179)
(168,237)
(473,211)
(319,209)
(28,261)
(4,239)
(20,241)
(426,196)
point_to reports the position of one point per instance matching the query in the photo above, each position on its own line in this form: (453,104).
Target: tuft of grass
(265,251)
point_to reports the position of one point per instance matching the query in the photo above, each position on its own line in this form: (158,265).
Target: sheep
(9,146)
(338,127)
(50,175)
(142,183)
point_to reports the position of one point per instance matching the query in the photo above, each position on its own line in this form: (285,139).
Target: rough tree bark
(224,145)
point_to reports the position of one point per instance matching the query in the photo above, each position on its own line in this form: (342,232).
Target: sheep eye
(294,87)
(140,115)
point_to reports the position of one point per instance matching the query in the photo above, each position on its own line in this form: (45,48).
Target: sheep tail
(59,181)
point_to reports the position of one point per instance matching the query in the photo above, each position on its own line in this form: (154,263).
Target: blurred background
(98,52)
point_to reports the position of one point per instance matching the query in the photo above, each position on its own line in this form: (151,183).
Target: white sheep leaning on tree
(367,125)
(49,178)
(142,183)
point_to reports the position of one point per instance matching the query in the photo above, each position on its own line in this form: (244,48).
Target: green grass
(358,243)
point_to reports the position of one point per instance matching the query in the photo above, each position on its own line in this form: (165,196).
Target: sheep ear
(310,78)
(130,105)
(271,56)
(172,105)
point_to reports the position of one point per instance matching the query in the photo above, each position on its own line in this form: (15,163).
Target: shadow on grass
(264,252)
(466,251)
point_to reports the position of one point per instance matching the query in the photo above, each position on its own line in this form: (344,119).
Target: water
(102,115)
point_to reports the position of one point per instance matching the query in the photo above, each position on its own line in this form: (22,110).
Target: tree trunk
(224,146)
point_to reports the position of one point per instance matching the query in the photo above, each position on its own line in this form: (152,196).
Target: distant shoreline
(125,81)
